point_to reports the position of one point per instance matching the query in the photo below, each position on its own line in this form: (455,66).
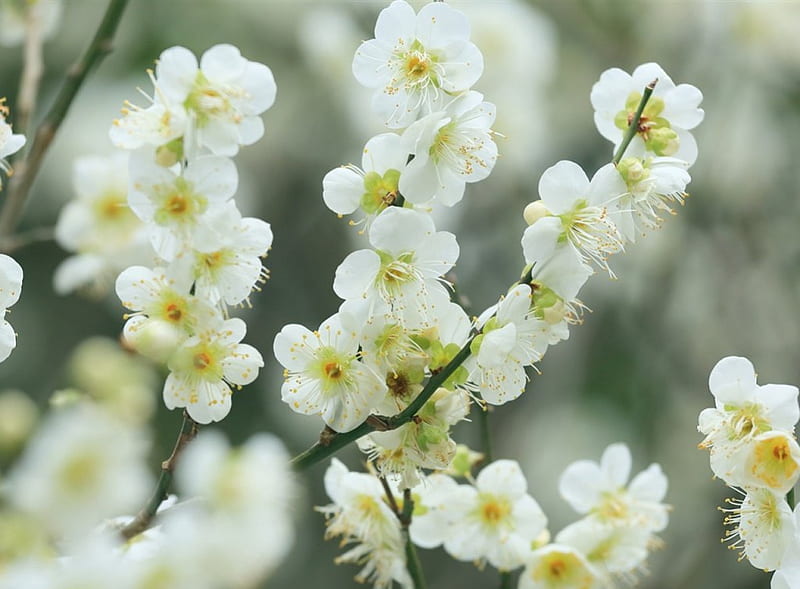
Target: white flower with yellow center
(416,61)
(602,490)
(223,96)
(652,187)
(160,298)
(172,204)
(82,465)
(375,185)
(746,412)
(666,120)
(99,226)
(511,338)
(360,514)
(10,289)
(558,566)
(225,262)
(574,212)
(764,527)
(205,366)
(451,148)
(404,270)
(324,376)
(497,520)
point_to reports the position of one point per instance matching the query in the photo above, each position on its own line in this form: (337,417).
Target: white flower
(372,187)
(666,120)
(745,411)
(432,521)
(172,204)
(359,514)
(653,186)
(611,549)
(10,289)
(496,520)
(450,148)
(98,225)
(83,465)
(204,367)
(157,125)
(511,338)
(764,527)
(558,566)
(577,212)
(159,296)
(405,270)
(223,96)
(601,490)
(10,142)
(225,263)
(416,60)
(324,375)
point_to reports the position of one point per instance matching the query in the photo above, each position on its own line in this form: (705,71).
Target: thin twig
(505,580)
(26,238)
(28,169)
(143,519)
(32,69)
(633,127)
(486,435)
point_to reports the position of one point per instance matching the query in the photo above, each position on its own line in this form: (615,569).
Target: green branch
(633,127)
(27,171)
(142,520)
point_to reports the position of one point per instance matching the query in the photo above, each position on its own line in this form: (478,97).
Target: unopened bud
(633,170)
(535,211)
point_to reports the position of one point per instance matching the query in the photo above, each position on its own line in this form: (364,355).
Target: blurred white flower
(10,289)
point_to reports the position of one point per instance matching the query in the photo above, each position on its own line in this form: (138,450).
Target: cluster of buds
(750,437)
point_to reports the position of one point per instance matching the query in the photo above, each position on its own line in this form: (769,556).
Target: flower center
(493,511)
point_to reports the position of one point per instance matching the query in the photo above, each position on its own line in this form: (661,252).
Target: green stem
(486,436)
(21,184)
(413,564)
(142,520)
(633,128)
(505,580)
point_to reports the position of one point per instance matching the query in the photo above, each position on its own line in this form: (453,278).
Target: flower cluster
(10,289)
(10,142)
(492,518)
(181,187)
(84,465)
(750,437)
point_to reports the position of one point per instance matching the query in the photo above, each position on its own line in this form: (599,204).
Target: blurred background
(721,278)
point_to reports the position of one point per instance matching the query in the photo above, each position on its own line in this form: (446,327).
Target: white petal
(732,380)
(561,185)
(616,464)
(342,189)
(356,274)
(503,478)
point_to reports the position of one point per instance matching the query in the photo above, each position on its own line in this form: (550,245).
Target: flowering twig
(413,564)
(26,171)
(142,520)
(633,128)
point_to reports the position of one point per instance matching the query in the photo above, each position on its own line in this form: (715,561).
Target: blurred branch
(505,580)
(633,126)
(32,69)
(142,520)
(26,238)
(28,169)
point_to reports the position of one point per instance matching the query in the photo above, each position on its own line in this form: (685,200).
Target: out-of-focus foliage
(719,279)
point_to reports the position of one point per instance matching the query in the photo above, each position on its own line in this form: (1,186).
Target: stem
(505,580)
(31,70)
(633,128)
(142,520)
(790,498)
(486,437)
(46,132)
(387,490)
(413,564)
(26,238)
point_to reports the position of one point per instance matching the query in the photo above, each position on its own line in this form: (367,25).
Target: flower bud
(535,211)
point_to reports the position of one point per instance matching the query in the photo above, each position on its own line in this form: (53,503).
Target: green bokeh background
(718,279)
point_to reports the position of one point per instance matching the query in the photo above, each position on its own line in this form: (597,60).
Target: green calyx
(547,305)
(655,130)
(171,153)
(633,170)
(379,191)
